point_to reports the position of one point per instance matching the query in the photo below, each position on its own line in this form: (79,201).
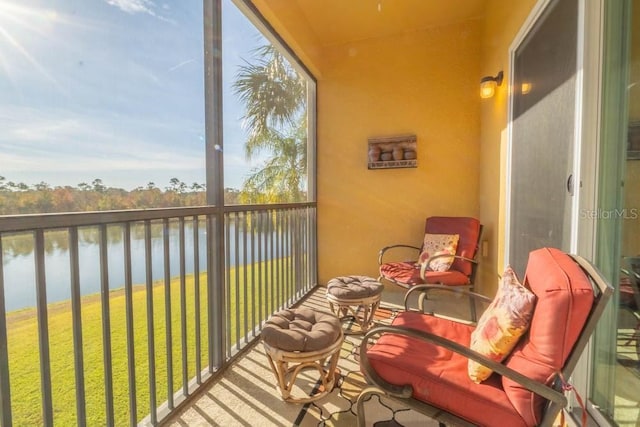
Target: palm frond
(274,95)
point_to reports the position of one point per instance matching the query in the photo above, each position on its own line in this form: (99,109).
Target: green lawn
(24,352)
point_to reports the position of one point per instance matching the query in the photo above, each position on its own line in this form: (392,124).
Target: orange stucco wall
(422,82)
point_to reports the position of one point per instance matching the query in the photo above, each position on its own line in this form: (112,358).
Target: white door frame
(591,40)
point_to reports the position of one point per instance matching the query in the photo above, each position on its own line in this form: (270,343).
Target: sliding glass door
(615,380)
(542,134)
(575,134)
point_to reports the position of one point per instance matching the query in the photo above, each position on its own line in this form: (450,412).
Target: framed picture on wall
(633,141)
(392,152)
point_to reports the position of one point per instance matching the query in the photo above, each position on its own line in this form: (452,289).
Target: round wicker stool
(355,297)
(305,339)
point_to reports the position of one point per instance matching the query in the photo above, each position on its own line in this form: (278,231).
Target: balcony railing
(131,312)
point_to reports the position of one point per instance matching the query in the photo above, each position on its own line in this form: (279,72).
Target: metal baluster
(131,354)
(314,246)
(196,285)
(303,253)
(227,281)
(308,252)
(260,280)
(278,279)
(245,284)
(5,385)
(284,230)
(150,330)
(272,261)
(254,308)
(106,326)
(43,330)
(237,277)
(283,261)
(183,308)
(167,310)
(76,318)
(295,253)
(211,252)
(290,255)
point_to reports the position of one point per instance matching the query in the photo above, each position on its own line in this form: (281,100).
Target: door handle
(570,184)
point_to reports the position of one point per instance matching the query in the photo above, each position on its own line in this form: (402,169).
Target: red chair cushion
(469,231)
(439,376)
(565,297)
(407,273)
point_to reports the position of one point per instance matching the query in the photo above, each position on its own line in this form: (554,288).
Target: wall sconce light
(488,85)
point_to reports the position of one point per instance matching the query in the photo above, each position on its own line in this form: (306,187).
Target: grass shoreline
(61,306)
(24,355)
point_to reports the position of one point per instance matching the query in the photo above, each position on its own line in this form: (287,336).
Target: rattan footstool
(305,339)
(348,295)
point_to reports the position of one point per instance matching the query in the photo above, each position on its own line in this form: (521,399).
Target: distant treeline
(20,198)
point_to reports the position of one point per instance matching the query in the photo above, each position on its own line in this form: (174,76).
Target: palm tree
(274,95)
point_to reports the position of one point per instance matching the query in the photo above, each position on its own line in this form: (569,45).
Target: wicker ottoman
(298,339)
(355,297)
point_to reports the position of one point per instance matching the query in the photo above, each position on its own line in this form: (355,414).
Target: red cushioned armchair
(461,274)
(422,359)
(407,273)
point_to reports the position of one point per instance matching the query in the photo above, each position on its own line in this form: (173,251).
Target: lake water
(19,266)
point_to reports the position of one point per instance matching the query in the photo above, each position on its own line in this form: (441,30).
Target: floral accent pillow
(503,323)
(438,244)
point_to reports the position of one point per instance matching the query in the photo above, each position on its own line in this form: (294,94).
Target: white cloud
(181,64)
(133,6)
(36,141)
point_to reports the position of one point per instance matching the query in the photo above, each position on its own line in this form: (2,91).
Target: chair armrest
(387,248)
(424,290)
(423,265)
(406,391)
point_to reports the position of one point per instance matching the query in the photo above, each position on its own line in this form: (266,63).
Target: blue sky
(113,89)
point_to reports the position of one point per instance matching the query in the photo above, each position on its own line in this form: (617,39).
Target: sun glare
(17,24)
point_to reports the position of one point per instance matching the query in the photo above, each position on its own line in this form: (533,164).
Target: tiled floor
(246,394)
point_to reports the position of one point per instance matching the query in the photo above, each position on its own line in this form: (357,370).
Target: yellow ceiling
(342,21)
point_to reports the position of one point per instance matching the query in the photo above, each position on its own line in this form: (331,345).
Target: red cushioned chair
(405,273)
(408,273)
(422,359)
